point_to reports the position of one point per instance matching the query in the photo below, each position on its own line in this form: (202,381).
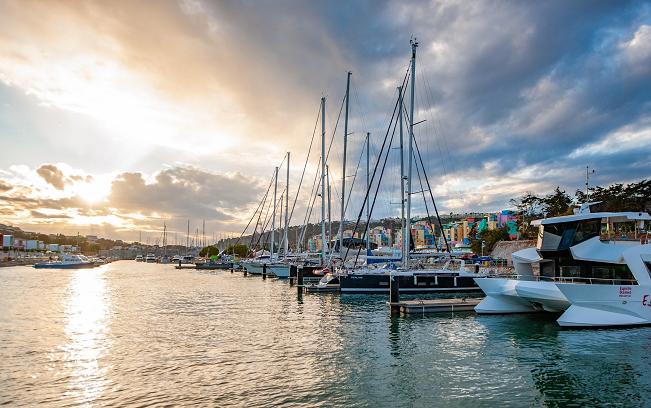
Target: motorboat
(150,258)
(214,264)
(68,261)
(139,258)
(571,251)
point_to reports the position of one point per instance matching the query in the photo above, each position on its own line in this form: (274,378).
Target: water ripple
(141,335)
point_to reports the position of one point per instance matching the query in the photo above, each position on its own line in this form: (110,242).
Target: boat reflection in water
(87,310)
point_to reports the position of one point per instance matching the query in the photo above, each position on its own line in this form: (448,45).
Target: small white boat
(151,258)
(139,258)
(68,261)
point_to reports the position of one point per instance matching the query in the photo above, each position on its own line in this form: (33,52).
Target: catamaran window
(611,272)
(648,267)
(570,271)
(547,269)
(587,229)
(557,236)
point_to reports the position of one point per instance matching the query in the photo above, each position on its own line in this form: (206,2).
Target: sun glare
(93,192)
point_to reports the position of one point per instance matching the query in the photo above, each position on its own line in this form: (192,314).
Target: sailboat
(418,278)
(164,258)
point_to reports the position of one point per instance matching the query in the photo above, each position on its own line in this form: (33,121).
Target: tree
(209,251)
(530,208)
(489,237)
(557,203)
(239,250)
(619,197)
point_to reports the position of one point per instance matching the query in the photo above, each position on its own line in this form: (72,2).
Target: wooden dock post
(394,292)
(299,281)
(292,274)
(232,267)
(264,271)
(245,271)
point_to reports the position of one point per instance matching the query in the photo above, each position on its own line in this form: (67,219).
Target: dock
(435,305)
(321,288)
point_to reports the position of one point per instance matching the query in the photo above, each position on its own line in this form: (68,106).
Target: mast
(343,177)
(323,241)
(329,207)
(368,188)
(187,239)
(287,210)
(410,152)
(403,228)
(273,216)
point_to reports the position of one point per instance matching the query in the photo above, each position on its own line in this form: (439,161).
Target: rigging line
(377,190)
(447,245)
(335,130)
(361,155)
(265,223)
(420,180)
(300,183)
(314,186)
(430,103)
(260,215)
(377,164)
(310,207)
(254,213)
(359,106)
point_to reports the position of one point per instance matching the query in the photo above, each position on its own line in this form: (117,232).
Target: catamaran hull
(426,283)
(501,297)
(543,295)
(606,305)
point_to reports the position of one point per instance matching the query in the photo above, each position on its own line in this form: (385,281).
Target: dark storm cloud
(4,186)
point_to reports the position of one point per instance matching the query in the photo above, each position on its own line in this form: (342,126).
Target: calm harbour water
(131,334)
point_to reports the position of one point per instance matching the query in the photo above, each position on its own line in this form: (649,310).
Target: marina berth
(571,250)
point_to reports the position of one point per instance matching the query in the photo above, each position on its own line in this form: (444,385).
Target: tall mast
(368,188)
(403,229)
(343,177)
(273,216)
(329,207)
(287,210)
(323,241)
(187,239)
(410,153)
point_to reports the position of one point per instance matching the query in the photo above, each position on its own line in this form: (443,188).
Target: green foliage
(619,197)
(239,250)
(490,238)
(557,203)
(552,205)
(209,251)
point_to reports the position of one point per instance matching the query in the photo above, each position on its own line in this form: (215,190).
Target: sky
(118,117)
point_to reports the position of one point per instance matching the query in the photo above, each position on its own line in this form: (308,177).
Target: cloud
(4,186)
(516,96)
(53,176)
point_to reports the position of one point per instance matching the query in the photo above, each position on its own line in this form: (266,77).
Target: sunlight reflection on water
(88,313)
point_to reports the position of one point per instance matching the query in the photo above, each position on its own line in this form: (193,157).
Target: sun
(93,192)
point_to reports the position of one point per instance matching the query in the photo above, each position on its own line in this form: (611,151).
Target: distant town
(459,231)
